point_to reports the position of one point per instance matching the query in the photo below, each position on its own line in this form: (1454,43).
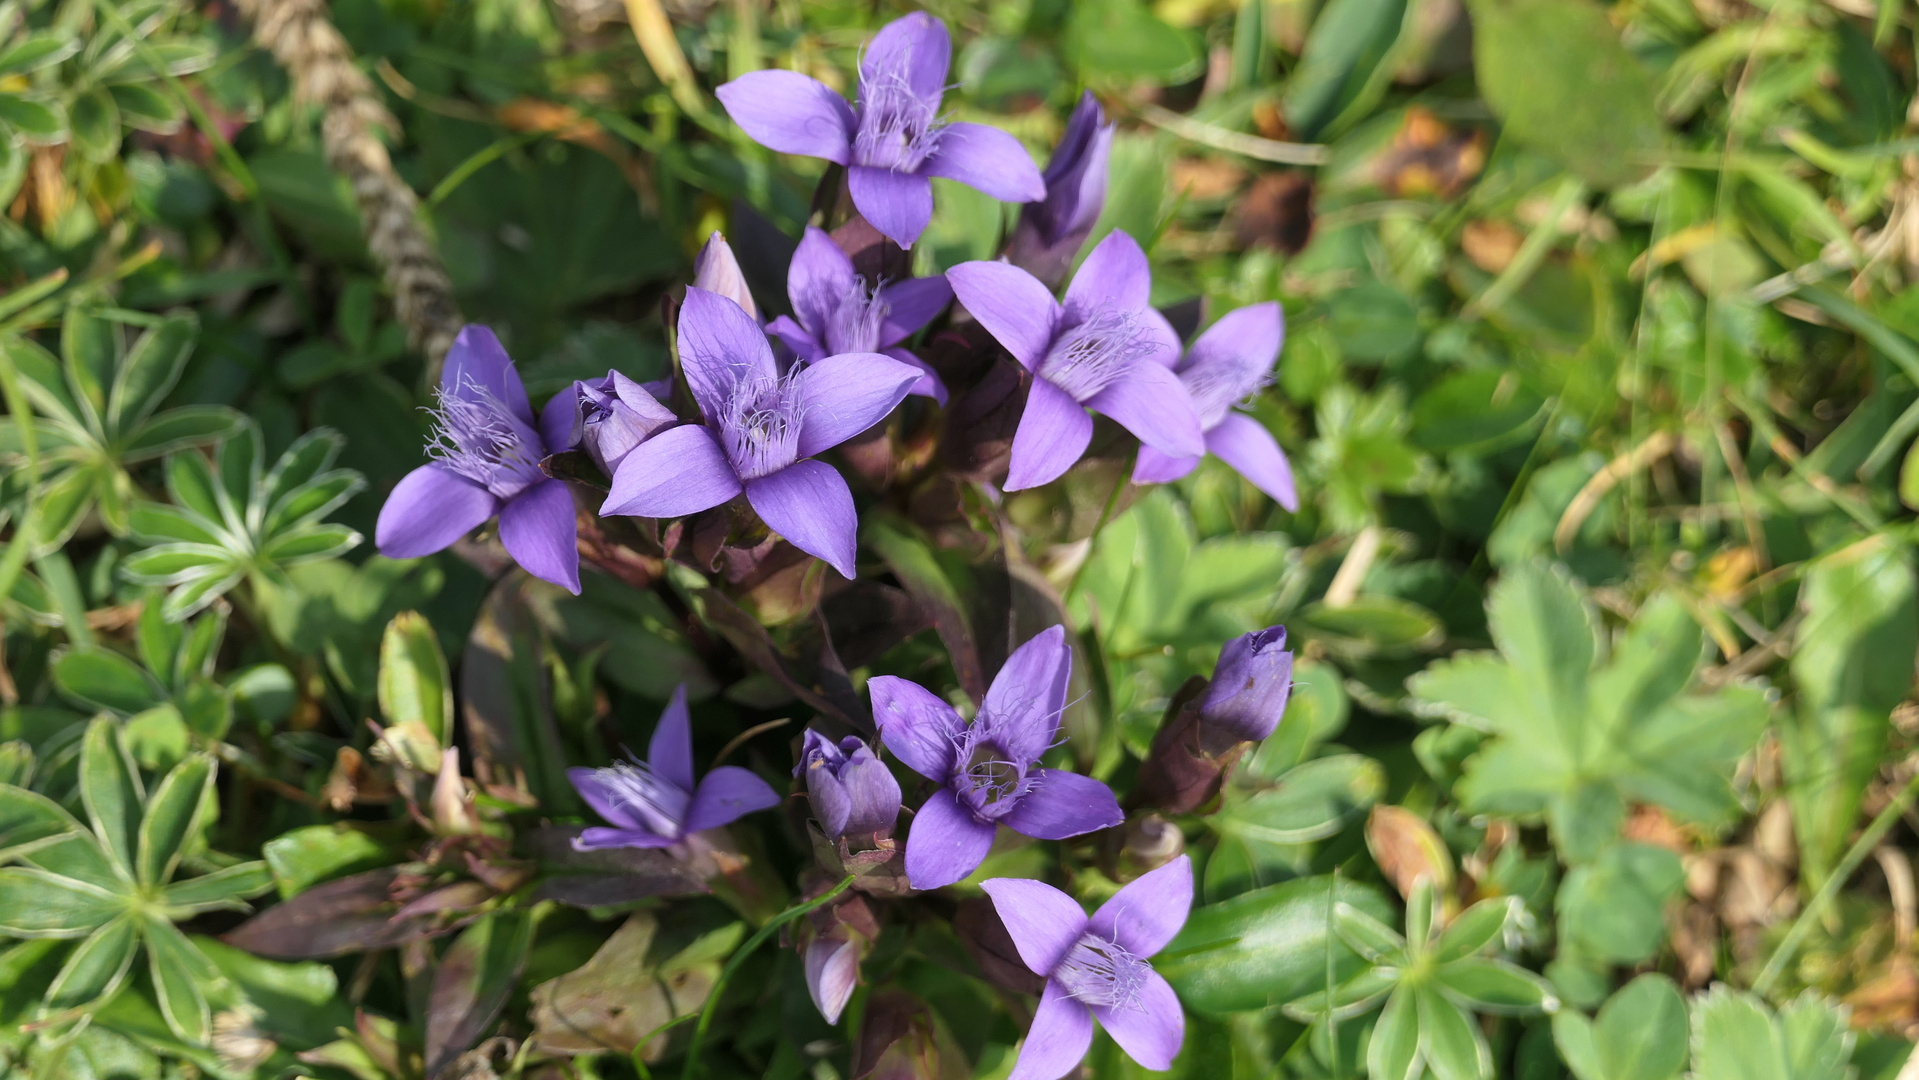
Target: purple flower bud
(717,271)
(853,792)
(1250,685)
(616,415)
(1051,231)
(832,942)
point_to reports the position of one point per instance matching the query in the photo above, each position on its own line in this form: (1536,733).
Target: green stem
(1868,840)
(736,961)
(1092,541)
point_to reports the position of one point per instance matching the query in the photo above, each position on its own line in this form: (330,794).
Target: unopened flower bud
(833,941)
(616,415)
(853,793)
(717,271)
(1051,231)
(452,806)
(1250,685)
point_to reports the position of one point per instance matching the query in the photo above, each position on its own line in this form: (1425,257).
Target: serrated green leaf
(173,815)
(1736,1038)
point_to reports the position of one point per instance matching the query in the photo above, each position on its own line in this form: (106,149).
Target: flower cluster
(733,439)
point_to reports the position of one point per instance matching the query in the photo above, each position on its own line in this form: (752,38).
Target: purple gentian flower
(717,271)
(656,803)
(1097,968)
(852,791)
(1051,231)
(836,311)
(487,453)
(988,772)
(762,429)
(1231,361)
(609,418)
(1106,349)
(893,140)
(1250,685)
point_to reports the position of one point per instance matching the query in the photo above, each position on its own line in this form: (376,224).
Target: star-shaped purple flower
(892,141)
(1105,349)
(1231,361)
(763,427)
(656,803)
(487,450)
(988,771)
(1097,968)
(835,310)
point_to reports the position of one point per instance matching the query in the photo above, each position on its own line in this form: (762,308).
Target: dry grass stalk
(303,39)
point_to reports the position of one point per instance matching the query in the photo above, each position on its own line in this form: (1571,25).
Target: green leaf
(173,564)
(307,856)
(36,120)
(1479,409)
(94,122)
(302,462)
(37,50)
(1561,81)
(79,857)
(191,484)
(145,108)
(1573,1038)
(1449,1040)
(310,543)
(1546,631)
(189,425)
(226,889)
(415,686)
(1613,908)
(1585,819)
(37,904)
(106,680)
(1475,928)
(1851,667)
(314,499)
(64,500)
(172,817)
(96,967)
(1311,802)
(1354,997)
(1370,625)
(1394,1051)
(151,368)
(110,788)
(301,1002)
(157,522)
(178,969)
(90,355)
(30,821)
(198,652)
(1123,39)
(1348,41)
(1641,1031)
(192,596)
(158,739)
(1265,947)
(1370,937)
(1818,1038)
(1494,986)
(157,640)
(45,384)
(1736,1038)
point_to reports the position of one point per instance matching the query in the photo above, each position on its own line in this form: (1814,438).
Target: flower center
(1215,385)
(659,803)
(991,780)
(1088,357)
(855,323)
(478,437)
(898,128)
(1101,972)
(760,426)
